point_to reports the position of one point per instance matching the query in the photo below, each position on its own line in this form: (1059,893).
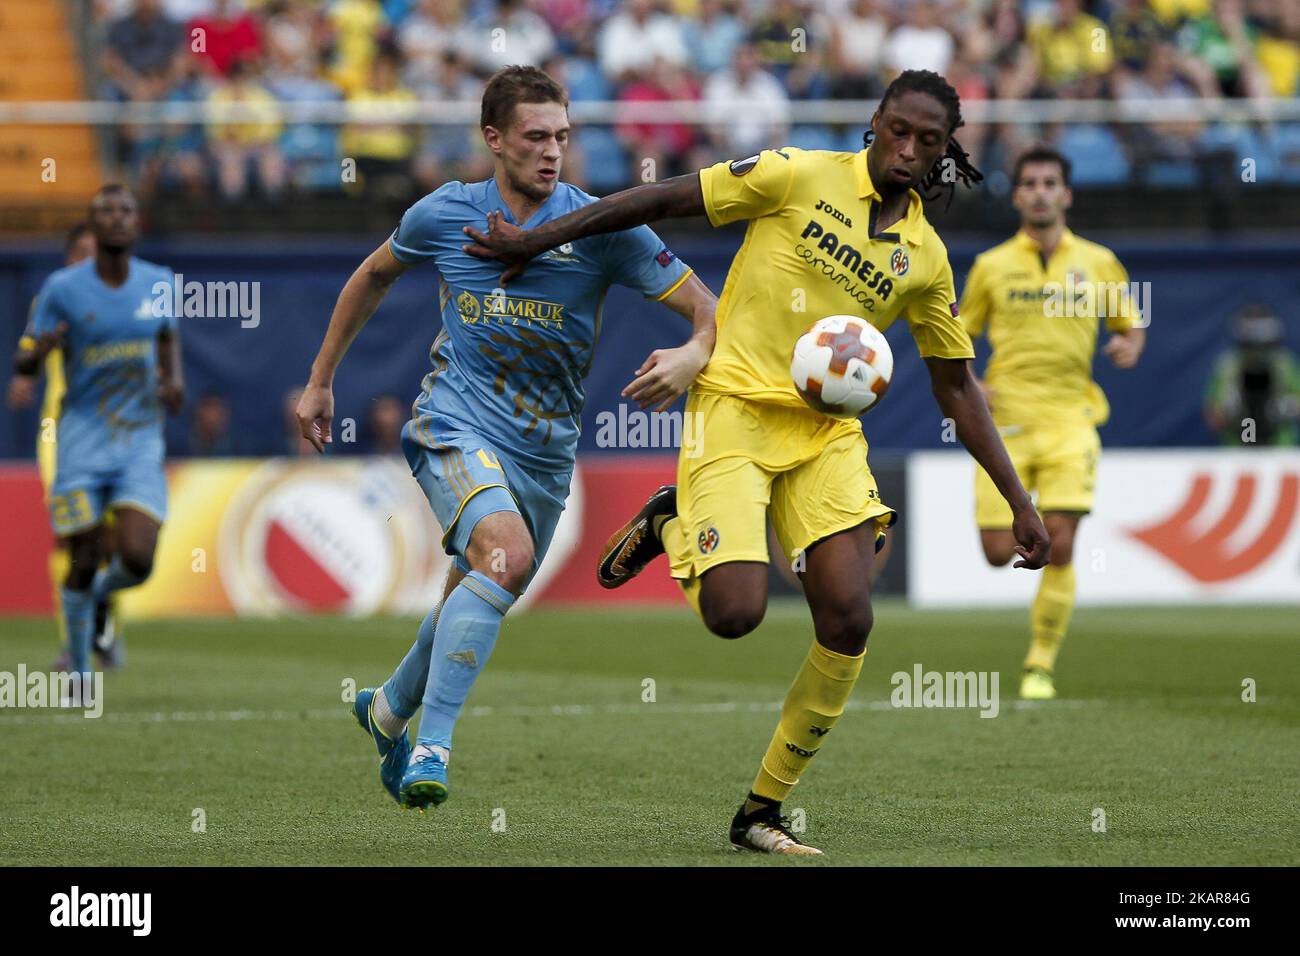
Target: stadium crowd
(769,53)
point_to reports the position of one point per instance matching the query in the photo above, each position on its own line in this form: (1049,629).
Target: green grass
(1151,728)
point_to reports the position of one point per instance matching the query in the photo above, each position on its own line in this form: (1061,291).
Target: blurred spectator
(240,145)
(359,26)
(1223,42)
(1159,80)
(310,150)
(1256,382)
(634,38)
(564,17)
(921,43)
(292,78)
(382,151)
(1277,47)
(451,152)
(1135,29)
(582,74)
(397,10)
(295,36)
(657,51)
(971,84)
(1014,69)
(142,52)
(1072,51)
(228,34)
(514,35)
(1174,12)
(669,147)
(780,37)
(857,48)
(387,417)
(210,427)
(809,78)
(748,105)
(433,30)
(712,38)
(171,157)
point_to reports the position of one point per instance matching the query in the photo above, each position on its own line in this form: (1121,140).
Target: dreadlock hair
(954,157)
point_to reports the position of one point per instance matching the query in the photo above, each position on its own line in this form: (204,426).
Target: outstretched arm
(960,399)
(514,247)
(356,304)
(667,373)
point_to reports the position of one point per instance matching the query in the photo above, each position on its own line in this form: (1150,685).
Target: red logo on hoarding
(1205,555)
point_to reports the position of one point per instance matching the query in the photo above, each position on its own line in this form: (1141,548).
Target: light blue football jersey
(110,414)
(509,362)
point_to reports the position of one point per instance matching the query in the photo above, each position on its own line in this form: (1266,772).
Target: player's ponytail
(954,159)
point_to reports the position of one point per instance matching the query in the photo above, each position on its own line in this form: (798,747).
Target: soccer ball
(842,366)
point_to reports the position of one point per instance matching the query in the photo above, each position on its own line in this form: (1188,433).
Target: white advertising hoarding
(1208,526)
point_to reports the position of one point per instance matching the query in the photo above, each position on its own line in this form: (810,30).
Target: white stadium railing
(460,113)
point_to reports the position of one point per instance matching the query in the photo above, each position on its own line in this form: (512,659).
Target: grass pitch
(559,761)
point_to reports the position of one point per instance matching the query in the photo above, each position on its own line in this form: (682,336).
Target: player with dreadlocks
(829,233)
(955,166)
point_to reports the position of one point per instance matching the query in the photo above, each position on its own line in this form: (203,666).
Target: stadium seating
(606,161)
(38,63)
(1286,144)
(1097,155)
(813,137)
(1242,142)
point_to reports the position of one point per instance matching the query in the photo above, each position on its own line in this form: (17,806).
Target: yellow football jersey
(809,253)
(1041,319)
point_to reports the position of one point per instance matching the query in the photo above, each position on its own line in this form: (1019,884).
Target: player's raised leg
(136,540)
(637,543)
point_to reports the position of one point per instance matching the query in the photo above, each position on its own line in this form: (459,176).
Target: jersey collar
(1027,242)
(909,227)
(540,215)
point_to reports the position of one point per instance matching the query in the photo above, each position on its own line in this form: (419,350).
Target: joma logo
(824,206)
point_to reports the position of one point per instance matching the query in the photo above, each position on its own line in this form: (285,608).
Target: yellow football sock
(1049,618)
(59,563)
(812,706)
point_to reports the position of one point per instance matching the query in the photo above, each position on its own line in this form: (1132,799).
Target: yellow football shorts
(748,458)
(1058,463)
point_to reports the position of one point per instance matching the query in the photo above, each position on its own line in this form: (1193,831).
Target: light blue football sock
(79,622)
(115,577)
(462,643)
(405,688)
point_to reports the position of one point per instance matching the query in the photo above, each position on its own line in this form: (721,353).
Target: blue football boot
(393,754)
(425,782)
